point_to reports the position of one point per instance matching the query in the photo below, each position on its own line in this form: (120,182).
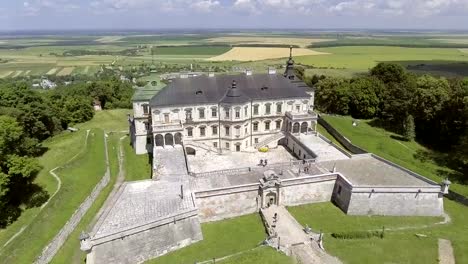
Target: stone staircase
(270,139)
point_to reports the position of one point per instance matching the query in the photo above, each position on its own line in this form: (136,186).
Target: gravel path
(446,252)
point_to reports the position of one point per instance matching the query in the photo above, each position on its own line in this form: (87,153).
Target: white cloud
(205,5)
(35,7)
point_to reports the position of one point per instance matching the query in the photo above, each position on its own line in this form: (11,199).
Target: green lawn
(399,246)
(380,142)
(221,238)
(262,254)
(329,218)
(137,167)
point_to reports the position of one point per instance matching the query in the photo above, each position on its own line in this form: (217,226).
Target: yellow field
(255,54)
(65,71)
(5,74)
(110,39)
(52,71)
(301,42)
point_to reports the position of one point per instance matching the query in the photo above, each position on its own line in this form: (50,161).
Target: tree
(409,128)
(365,93)
(332,95)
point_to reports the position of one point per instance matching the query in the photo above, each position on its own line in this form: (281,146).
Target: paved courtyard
(205,161)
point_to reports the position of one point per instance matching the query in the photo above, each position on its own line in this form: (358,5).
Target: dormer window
(145,109)
(198,92)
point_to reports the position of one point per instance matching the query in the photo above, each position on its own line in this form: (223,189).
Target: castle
(228,145)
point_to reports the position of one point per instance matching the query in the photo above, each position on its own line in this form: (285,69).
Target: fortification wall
(218,204)
(146,244)
(306,190)
(396,201)
(342,193)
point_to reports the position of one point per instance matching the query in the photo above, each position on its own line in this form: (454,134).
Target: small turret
(85,243)
(445,186)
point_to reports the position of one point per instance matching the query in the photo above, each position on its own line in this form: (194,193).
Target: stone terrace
(365,170)
(323,149)
(143,202)
(205,161)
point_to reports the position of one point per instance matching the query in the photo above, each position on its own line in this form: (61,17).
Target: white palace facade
(224,112)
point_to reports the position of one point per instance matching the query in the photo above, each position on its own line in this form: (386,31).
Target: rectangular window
(246,114)
(237,131)
(246,131)
(145,109)
(202,131)
(189,132)
(147,126)
(237,113)
(215,144)
(227,145)
(214,112)
(267,109)
(255,109)
(267,125)
(214,130)
(255,126)
(226,129)
(166,118)
(227,113)
(201,113)
(278,108)
(256,140)
(278,124)
(298,108)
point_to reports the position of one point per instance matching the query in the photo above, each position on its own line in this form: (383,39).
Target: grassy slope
(70,252)
(137,167)
(400,246)
(78,179)
(220,239)
(379,141)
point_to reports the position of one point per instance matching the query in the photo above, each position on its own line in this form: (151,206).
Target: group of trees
(432,110)
(29,116)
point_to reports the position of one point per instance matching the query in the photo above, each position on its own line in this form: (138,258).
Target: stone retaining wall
(343,140)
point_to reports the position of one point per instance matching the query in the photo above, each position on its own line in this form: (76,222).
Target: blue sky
(154,14)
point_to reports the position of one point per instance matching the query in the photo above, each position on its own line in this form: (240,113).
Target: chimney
(248,72)
(271,70)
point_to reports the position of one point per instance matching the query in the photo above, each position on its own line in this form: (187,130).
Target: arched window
(304,127)
(159,140)
(178,139)
(169,139)
(296,127)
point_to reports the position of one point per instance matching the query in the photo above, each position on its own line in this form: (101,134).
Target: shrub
(359,234)
(263,149)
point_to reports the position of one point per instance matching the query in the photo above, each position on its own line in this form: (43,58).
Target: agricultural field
(341,54)
(256,53)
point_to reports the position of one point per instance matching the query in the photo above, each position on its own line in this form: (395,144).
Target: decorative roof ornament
(289,73)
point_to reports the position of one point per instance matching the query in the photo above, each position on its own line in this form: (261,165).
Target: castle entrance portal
(271,199)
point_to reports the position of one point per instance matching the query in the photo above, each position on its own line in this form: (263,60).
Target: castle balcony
(301,116)
(168,127)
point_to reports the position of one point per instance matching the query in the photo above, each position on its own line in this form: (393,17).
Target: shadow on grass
(455,173)
(386,125)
